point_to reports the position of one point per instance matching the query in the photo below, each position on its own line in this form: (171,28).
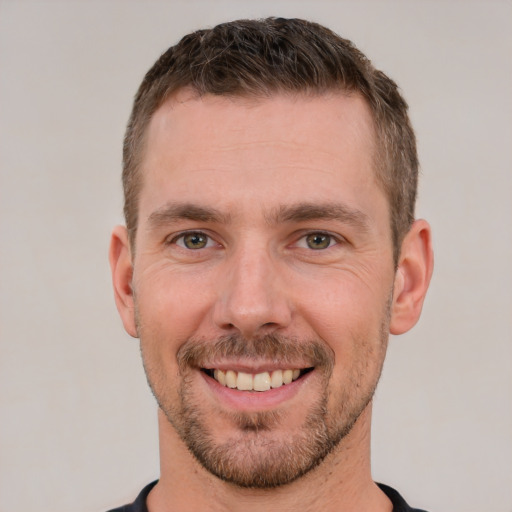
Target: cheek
(352,319)
(171,306)
(340,305)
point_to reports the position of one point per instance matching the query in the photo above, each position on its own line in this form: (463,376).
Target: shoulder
(399,504)
(139,505)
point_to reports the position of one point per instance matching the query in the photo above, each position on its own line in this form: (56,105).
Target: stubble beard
(256,457)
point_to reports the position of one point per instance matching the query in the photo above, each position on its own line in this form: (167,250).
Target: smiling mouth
(263,381)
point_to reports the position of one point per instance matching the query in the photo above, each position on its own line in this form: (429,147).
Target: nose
(251,296)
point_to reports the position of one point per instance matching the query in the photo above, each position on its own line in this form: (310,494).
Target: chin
(260,450)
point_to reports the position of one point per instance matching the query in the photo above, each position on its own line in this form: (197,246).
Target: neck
(341,482)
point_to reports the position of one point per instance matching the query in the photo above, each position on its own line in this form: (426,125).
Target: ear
(122,272)
(412,277)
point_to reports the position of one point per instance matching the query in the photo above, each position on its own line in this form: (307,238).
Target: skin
(252,166)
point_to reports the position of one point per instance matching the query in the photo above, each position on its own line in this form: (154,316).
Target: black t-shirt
(139,505)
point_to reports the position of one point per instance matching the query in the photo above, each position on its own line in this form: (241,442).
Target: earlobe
(412,277)
(122,272)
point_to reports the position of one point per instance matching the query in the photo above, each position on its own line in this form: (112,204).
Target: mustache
(197,353)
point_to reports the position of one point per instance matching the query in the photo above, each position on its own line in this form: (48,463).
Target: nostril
(269,326)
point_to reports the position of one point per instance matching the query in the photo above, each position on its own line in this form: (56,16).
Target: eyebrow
(174,212)
(301,212)
(325,211)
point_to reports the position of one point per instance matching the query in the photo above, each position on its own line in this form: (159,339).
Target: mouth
(262,381)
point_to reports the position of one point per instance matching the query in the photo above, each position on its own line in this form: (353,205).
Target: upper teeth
(255,382)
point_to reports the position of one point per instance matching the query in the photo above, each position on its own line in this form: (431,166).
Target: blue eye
(193,240)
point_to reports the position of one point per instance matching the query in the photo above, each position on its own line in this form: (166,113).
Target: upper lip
(255,367)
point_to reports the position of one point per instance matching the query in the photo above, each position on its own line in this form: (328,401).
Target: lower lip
(256,400)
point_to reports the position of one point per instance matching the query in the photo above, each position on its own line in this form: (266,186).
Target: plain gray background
(78,424)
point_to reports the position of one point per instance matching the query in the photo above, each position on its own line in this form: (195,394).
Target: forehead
(299,145)
(331,116)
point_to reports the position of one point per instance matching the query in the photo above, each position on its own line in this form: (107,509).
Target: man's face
(263,252)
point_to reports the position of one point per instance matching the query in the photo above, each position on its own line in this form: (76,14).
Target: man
(270,177)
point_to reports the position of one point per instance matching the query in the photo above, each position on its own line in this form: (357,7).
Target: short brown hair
(275,55)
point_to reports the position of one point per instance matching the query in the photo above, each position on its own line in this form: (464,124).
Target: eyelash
(175,240)
(333,240)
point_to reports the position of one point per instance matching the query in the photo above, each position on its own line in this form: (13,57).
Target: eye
(317,241)
(193,240)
